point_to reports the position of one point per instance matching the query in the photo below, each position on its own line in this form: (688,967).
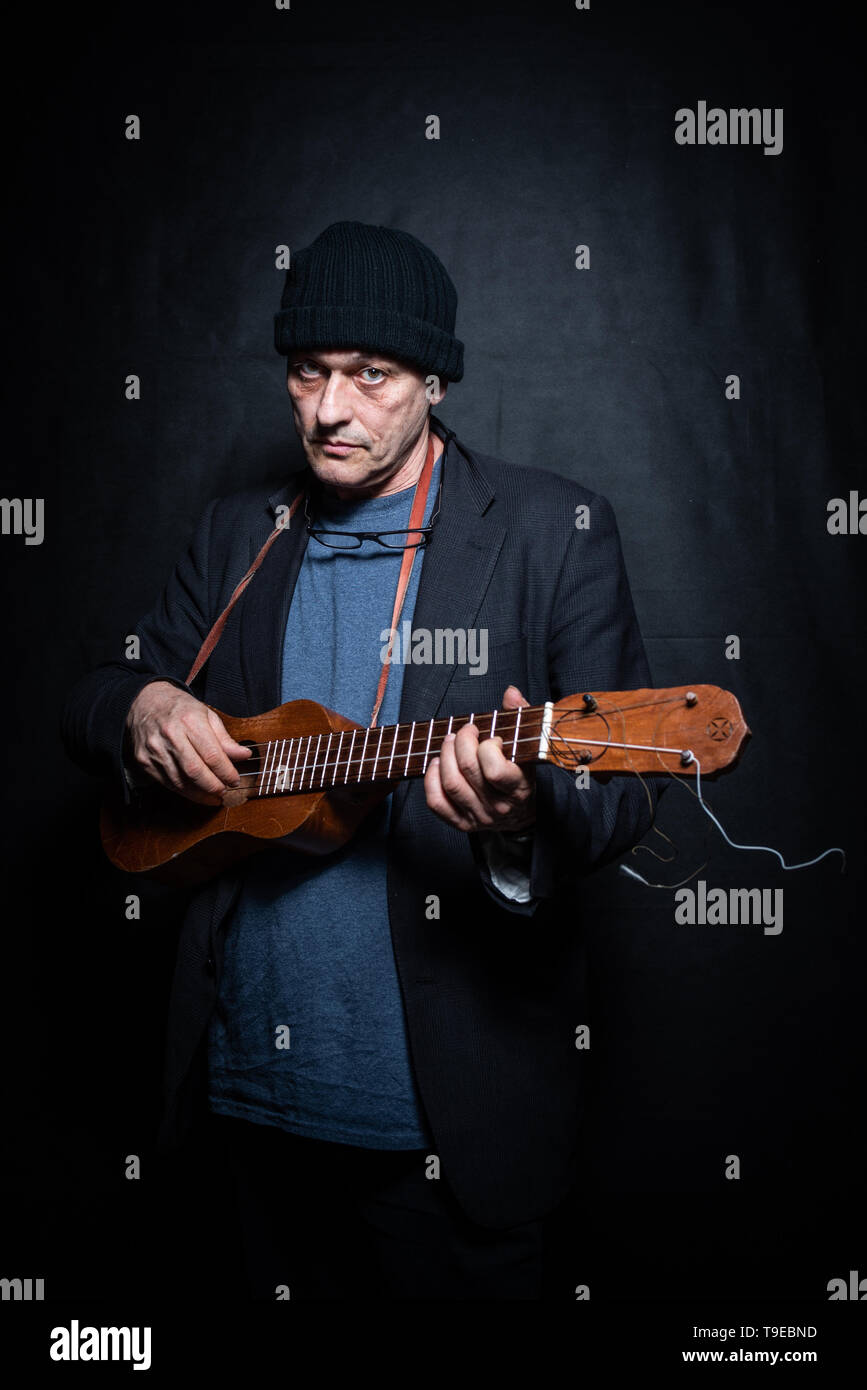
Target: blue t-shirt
(309,947)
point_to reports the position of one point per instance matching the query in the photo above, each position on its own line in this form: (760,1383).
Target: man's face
(371,405)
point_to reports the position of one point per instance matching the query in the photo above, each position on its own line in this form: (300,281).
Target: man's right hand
(183,744)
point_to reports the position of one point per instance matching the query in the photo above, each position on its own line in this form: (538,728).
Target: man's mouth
(337,446)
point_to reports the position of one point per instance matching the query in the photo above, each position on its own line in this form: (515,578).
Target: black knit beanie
(377,288)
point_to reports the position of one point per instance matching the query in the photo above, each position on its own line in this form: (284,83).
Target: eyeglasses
(389,540)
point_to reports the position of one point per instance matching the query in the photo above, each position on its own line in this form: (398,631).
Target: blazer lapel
(456,572)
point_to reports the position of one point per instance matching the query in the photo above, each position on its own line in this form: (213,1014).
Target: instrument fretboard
(315,762)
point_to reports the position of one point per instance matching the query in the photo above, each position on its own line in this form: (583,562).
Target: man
(386,1035)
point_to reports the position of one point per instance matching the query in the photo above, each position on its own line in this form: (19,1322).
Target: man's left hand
(473,786)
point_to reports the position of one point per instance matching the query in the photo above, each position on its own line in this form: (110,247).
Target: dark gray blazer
(493,992)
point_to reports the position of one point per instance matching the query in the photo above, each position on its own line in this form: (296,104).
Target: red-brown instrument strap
(416,519)
(216,631)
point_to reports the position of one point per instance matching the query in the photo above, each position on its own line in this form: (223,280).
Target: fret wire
(493,723)
(268,761)
(378,746)
(409,749)
(295,767)
(517,727)
(304,768)
(278,762)
(315,756)
(325,760)
(281,770)
(393,746)
(363,752)
(337,758)
(263,773)
(349,756)
(427,745)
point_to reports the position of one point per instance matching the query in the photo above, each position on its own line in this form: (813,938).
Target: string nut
(590,702)
(691,697)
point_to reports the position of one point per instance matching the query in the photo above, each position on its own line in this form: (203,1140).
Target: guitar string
(405,752)
(399,750)
(561,713)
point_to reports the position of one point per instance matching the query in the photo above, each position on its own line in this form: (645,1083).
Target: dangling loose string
(625,869)
(646,849)
(768,849)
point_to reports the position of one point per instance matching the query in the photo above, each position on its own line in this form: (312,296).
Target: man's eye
(306,368)
(374,369)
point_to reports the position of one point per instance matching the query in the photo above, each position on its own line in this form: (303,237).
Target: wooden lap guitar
(314,775)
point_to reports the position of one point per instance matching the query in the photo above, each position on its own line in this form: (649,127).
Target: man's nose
(334,403)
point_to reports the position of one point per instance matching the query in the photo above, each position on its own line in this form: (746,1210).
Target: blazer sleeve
(594,643)
(93,718)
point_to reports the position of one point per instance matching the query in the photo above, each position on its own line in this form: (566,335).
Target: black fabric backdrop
(157,257)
